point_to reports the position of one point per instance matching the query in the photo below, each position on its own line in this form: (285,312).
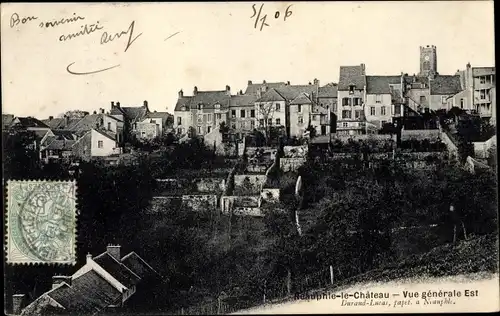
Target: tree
(266,114)
(20,154)
(312,131)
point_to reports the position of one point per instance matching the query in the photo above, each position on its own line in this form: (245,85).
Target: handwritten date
(262,19)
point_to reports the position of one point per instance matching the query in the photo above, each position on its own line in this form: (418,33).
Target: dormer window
(183,108)
(351,88)
(217,105)
(200,106)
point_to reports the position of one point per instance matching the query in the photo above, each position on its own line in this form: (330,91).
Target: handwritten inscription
(85,30)
(106,38)
(15,19)
(262,18)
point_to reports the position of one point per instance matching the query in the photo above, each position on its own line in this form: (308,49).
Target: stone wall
(248,211)
(209,184)
(375,137)
(481,148)
(291,164)
(249,182)
(160,204)
(200,202)
(229,203)
(295,151)
(432,135)
(450,145)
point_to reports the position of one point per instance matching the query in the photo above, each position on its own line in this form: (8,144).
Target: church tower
(428,61)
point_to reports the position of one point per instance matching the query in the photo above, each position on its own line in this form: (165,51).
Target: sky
(211,45)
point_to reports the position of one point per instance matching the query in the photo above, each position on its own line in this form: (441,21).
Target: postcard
(249,158)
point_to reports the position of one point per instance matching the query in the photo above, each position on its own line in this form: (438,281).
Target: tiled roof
(31,122)
(108,134)
(115,110)
(163,115)
(301,99)
(254,88)
(482,71)
(243,100)
(445,85)
(135,113)
(54,123)
(328,91)
(416,79)
(118,270)
(87,294)
(135,263)
(351,75)
(380,84)
(292,91)
(271,96)
(183,102)
(64,134)
(207,98)
(86,123)
(60,144)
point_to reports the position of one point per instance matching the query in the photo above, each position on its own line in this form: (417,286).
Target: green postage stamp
(41,222)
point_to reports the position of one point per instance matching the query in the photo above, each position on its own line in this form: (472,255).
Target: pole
(331,274)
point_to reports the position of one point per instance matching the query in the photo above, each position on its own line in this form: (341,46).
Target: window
(345,101)
(422,99)
(356,101)
(301,120)
(482,80)
(372,110)
(462,103)
(252,113)
(242,113)
(179,130)
(299,108)
(209,128)
(261,122)
(200,118)
(278,121)
(200,106)
(100,144)
(218,116)
(277,107)
(252,124)
(199,129)
(443,99)
(109,126)
(269,122)
(209,117)
(346,114)
(357,114)
(233,126)
(482,94)
(351,89)
(382,110)
(378,98)
(233,113)
(344,124)
(179,120)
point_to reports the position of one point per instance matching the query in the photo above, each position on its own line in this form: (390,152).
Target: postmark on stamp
(41,222)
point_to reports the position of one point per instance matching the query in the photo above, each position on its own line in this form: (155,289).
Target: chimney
(195,90)
(114,251)
(316,82)
(89,257)
(66,120)
(112,104)
(18,301)
(241,92)
(95,112)
(118,104)
(181,94)
(145,104)
(51,118)
(288,83)
(101,110)
(58,279)
(263,81)
(249,82)
(309,82)
(363,68)
(228,90)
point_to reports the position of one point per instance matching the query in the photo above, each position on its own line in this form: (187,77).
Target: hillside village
(260,175)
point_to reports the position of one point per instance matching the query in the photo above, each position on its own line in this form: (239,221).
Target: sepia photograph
(216,158)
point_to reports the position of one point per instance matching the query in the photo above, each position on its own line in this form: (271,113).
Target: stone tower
(428,61)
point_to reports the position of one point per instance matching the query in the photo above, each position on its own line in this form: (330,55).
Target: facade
(96,143)
(301,109)
(381,99)
(351,99)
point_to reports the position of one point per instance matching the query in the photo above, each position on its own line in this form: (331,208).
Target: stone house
(96,143)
